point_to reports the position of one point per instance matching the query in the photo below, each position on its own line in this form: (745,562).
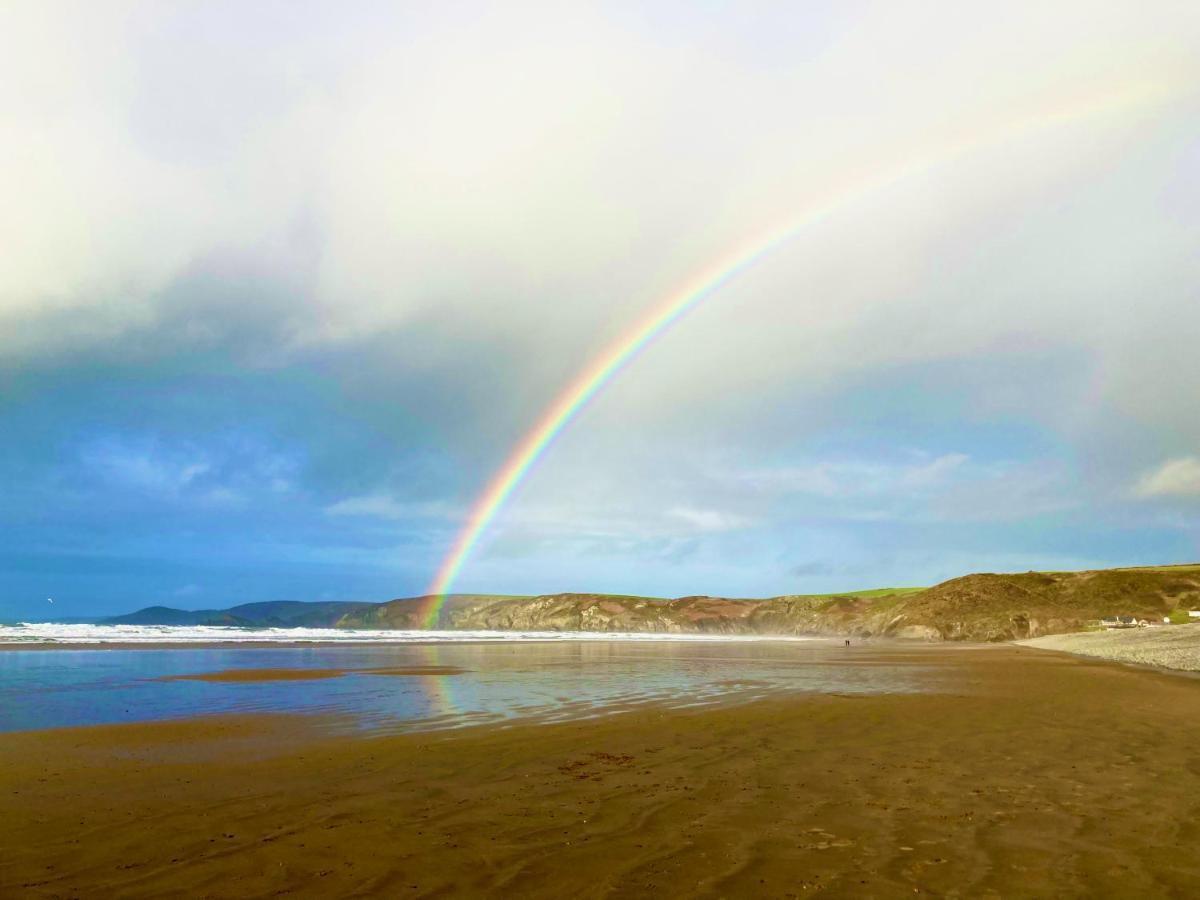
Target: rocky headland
(982,607)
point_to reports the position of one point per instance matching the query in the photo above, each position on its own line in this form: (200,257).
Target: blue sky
(283,284)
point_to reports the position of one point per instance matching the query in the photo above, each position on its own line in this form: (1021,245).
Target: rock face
(607,612)
(824,615)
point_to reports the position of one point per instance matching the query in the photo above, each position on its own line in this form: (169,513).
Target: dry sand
(1031,775)
(1168,646)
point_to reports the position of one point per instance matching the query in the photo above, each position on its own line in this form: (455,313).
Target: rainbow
(437,688)
(622,352)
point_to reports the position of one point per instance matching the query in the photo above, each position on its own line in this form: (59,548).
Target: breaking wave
(55,633)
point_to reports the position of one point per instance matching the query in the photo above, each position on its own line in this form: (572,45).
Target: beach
(1167,646)
(1023,774)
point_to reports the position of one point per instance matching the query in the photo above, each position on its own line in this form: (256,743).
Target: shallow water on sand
(390,688)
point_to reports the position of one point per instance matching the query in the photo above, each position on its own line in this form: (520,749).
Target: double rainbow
(619,355)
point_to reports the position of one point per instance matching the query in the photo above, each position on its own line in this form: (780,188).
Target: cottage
(1119,622)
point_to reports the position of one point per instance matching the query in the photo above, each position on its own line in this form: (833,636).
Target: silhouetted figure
(847,643)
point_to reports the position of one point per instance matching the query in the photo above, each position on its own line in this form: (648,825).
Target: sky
(283,283)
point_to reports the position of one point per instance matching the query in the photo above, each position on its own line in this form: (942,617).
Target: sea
(61,675)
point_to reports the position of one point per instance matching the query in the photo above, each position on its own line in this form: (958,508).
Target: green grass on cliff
(871,594)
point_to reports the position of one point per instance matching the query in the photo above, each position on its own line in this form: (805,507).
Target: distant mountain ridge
(980,607)
(397,614)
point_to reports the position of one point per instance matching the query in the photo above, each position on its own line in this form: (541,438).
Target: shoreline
(593,637)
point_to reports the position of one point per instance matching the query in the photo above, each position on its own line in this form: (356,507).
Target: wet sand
(1030,774)
(255,675)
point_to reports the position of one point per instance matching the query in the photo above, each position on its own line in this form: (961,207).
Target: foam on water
(57,633)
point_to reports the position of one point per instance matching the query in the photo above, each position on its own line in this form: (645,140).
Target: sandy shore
(1030,775)
(1171,647)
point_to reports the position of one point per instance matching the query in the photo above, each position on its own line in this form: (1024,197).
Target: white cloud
(856,478)
(1174,478)
(709,519)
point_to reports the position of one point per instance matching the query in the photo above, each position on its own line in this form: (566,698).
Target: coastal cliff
(983,607)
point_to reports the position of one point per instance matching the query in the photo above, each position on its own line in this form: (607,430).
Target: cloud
(1174,478)
(857,478)
(222,473)
(144,468)
(456,161)
(317,269)
(709,519)
(383,506)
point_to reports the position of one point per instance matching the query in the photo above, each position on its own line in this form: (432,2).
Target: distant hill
(981,607)
(295,613)
(165,615)
(271,614)
(397,614)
